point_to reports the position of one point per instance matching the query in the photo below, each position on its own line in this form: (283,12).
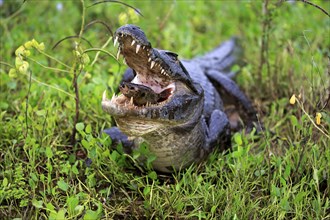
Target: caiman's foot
(218,131)
(232,95)
(118,137)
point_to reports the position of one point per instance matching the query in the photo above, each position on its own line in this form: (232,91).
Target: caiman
(175,106)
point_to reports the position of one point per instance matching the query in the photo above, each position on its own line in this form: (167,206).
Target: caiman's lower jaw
(149,73)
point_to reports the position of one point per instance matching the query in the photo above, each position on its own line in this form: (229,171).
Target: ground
(281,173)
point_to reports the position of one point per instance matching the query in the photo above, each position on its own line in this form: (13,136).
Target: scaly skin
(174,106)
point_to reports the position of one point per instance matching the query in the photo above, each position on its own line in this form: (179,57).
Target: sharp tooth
(133,42)
(131,101)
(118,53)
(152,64)
(137,48)
(104,96)
(162,71)
(115,41)
(124,61)
(149,59)
(144,47)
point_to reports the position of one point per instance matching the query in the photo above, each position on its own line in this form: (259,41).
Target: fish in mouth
(141,95)
(174,106)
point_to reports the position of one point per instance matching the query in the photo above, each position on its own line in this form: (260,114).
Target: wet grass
(282,173)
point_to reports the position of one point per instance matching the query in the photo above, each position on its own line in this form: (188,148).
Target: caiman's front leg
(231,94)
(118,137)
(218,131)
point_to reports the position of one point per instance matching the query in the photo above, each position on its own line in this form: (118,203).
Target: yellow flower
(122,18)
(12,73)
(41,46)
(24,67)
(318,118)
(28,45)
(19,51)
(293,99)
(130,14)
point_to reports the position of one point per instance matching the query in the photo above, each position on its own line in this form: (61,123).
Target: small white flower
(59,6)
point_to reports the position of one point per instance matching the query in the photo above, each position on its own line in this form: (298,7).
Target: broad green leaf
(62,185)
(80,126)
(146,190)
(287,171)
(49,152)
(294,121)
(152,175)
(88,129)
(238,139)
(72,202)
(114,155)
(61,214)
(91,215)
(50,206)
(4,182)
(79,209)
(299,197)
(85,144)
(74,169)
(275,191)
(37,204)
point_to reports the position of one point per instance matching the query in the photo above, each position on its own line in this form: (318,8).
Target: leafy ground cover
(282,173)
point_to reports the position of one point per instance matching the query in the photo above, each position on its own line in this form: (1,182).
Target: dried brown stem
(76,118)
(76,71)
(264,41)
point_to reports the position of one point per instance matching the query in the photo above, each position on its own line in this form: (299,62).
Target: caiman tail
(222,58)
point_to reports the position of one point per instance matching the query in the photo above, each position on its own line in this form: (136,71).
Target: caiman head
(161,93)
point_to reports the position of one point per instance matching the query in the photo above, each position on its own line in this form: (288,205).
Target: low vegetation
(56,59)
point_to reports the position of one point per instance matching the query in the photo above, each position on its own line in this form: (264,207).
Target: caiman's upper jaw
(142,58)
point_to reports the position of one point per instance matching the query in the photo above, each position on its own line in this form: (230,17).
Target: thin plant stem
(27,104)
(75,76)
(47,67)
(50,86)
(53,58)
(98,52)
(82,19)
(309,117)
(314,5)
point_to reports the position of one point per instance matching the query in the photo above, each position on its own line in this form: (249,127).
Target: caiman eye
(174,56)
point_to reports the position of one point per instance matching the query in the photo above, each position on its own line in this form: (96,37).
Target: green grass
(282,173)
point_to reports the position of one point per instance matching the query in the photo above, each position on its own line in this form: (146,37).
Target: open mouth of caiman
(152,85)
(161,85)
